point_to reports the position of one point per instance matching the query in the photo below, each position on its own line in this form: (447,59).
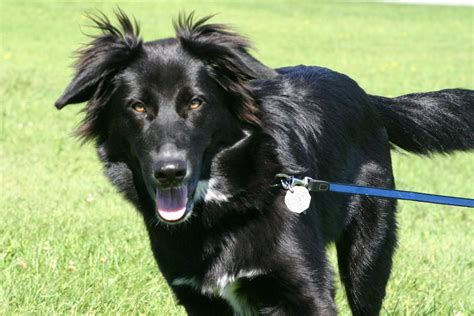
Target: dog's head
(167,106)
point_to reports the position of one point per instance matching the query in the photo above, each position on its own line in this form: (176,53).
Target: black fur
(430,122)
(241,250)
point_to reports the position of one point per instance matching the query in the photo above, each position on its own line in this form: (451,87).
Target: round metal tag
(298,200)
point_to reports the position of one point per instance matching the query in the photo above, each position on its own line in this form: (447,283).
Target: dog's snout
(170,172)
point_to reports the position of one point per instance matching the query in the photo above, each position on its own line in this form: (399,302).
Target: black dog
(192,130)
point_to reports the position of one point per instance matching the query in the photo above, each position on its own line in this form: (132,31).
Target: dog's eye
(140,108)
(195,103)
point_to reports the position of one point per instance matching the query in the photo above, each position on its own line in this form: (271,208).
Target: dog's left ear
(230,63)
(102,58)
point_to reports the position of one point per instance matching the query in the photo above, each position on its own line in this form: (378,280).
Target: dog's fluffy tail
(425,123)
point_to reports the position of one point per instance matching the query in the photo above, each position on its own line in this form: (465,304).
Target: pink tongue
(171,203)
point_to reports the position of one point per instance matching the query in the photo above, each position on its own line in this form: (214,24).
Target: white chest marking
(208,191)
(191,282)
(226,286)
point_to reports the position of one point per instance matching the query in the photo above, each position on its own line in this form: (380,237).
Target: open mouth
(171,203)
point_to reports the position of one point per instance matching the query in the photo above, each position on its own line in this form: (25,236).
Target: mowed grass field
(69,244)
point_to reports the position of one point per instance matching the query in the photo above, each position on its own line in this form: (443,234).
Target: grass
(69,244)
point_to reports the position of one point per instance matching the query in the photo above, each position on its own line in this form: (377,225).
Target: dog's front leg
(287,294)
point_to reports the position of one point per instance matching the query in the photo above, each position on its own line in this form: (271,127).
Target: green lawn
(69,244)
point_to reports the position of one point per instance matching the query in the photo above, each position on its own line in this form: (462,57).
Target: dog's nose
(170,172)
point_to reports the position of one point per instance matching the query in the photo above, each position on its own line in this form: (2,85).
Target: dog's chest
(226,286)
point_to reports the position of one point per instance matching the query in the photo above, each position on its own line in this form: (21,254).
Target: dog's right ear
(102,58)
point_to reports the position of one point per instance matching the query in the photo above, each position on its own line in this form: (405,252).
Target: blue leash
(288,182)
